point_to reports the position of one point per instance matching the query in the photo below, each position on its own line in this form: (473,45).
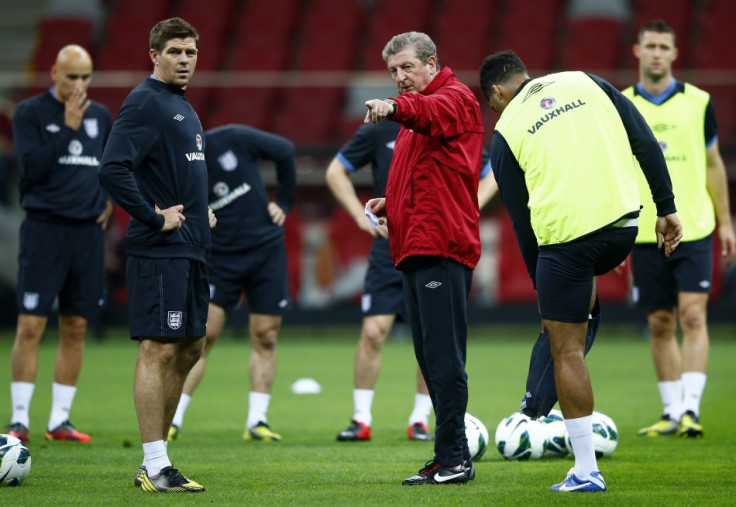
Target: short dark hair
(657,26)
(498,68)
(172,28)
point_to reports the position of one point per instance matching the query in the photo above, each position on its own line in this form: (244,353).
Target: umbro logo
(433,285)
(179,117)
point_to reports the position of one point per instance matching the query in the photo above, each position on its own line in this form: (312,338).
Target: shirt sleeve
(36,156)
(485,163)
(711,127)
(131,138)
(515,197)
(359,150)
(281,151)
(645,147)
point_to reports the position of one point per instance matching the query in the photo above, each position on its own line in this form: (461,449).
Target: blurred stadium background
(302,69)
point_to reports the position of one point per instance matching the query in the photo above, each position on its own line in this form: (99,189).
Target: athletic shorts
(261,272)
(658,279)
(167,298)
(383,292)
(565,272)
(64,260)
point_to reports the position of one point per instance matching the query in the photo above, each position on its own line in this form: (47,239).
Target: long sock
(155,457)
(422,409)
(61,405)
(257,408)
(20,395)
(181,409)
(693,384)
(363,401)
(581,438)
(671,393)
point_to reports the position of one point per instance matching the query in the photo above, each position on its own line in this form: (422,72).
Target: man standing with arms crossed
(563,155)
(59,137)
(154,168)
(383,301)
(431,210)
(682,118)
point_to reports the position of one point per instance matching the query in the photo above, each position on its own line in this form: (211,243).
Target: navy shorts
(261,272)
(64,260)
(658,279)
(565,272)
(167,298)
(383,292)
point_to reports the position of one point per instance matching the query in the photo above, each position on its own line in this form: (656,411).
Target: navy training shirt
(58,166)
(373,143)
(237,194)
(155,155)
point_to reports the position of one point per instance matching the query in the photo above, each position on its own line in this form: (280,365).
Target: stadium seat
(213,20)
(592,44)
(387,20)
(127,29)
(250,106)
(712,50)
(55,33)
(530,29)
(463,33)
(514,284)
(310,115)
(263,36)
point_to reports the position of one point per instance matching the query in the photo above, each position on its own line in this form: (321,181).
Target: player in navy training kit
(248,254)
(383,299)
(59,137)
(154,167)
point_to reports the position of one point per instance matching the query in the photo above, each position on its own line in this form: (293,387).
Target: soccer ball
(605,435)
(520,437)
(15,461)
(477,436)
(555,434)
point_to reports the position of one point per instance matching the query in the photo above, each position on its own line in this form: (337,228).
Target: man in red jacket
(431,211)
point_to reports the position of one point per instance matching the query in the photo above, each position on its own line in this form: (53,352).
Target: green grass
(310,467)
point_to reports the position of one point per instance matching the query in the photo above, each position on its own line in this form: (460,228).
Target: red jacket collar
(439,80)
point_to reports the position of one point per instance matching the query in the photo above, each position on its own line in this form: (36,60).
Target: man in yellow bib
(682,119)
(563,156)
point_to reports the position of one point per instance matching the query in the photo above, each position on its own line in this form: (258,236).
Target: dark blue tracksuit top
(155,156)
(58,166)
(237,194)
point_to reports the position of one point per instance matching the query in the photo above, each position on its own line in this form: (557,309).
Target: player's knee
(661,324)
(266,339)
(692,317)
(373,335)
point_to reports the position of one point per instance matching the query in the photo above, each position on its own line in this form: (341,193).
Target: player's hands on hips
(669,233)
(173,218)
(378,110)
(278,216)
(75,107)
(212,218)
(728,242)
(104,217)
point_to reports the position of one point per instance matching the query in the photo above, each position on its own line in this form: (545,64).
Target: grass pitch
(310,467)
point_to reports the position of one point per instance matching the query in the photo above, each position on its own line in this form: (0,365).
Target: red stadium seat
(251,106)
(55,33)
(592,44)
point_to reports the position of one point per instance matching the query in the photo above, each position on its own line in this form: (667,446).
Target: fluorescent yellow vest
(678,126)
(569,140)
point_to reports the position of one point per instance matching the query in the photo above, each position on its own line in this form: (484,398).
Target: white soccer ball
(605,435)
(519,437)
(477,435)
(15,461)
(555,434)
